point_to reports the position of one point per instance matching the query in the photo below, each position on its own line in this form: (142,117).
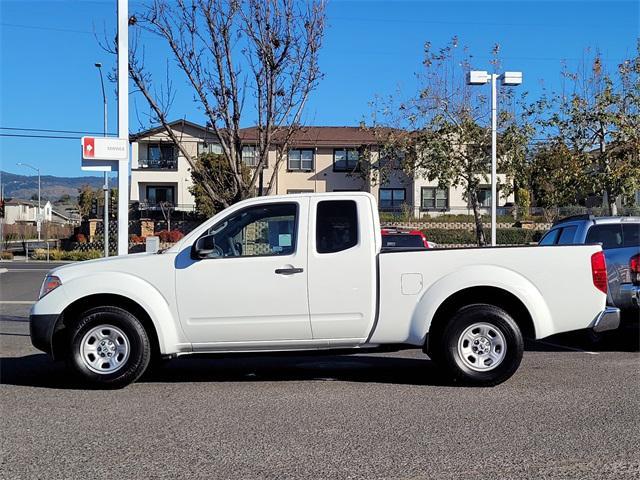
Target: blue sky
(48,50)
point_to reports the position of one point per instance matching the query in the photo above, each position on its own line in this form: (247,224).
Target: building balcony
(158,164)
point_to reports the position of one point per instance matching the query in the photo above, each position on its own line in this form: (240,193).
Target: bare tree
(448,121)
(235,52)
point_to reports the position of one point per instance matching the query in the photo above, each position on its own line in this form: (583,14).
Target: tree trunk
(473,197)
(611,203)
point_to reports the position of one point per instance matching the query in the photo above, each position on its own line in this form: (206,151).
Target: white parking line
(17,302)
(571,349)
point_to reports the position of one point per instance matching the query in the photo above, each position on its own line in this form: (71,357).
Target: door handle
(288,271)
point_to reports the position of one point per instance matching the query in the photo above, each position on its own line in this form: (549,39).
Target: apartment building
(320,159)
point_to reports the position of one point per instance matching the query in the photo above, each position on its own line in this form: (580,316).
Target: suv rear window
(609,235)
(336,226)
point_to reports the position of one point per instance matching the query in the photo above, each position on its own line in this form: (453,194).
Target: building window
(160,155)
(300,159)
(160,194)
(484,197)
(345,159)
(391,198)
(209,148)
(250,156)
(434,198)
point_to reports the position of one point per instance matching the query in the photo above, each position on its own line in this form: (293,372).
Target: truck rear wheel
(109,347)
(482,345)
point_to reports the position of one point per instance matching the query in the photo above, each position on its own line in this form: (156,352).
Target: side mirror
(203,247)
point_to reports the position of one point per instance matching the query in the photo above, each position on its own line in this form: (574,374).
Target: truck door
(253,286)
(342,268)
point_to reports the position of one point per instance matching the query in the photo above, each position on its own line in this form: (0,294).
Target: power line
(19,135)
(52,131)
(38,27)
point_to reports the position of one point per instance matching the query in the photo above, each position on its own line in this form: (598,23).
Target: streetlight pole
(481,77)
(105,187)
(38,216)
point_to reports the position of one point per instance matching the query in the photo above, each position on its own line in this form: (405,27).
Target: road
(568,412)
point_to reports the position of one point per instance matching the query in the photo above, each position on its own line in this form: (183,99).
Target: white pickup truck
(307,272)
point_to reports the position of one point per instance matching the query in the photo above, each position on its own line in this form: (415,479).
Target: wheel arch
(489,295)
(489,284)
(73,311)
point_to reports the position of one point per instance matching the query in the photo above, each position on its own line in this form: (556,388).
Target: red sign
(88,147)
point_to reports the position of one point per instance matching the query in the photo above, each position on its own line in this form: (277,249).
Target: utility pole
(39,213)
(105,187)
(123,125)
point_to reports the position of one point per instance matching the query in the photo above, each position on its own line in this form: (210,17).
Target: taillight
(599,271)
(634,269)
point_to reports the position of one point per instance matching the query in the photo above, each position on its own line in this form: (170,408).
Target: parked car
(308,272)
(400,239)
(620,240)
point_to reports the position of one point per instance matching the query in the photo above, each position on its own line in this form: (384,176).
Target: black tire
(138,348)
(502,324)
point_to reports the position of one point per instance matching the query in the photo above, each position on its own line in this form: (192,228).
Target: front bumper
(608,319)
(41,329)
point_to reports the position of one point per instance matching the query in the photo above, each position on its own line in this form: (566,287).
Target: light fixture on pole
(481,77)
(39,214)
(105,187)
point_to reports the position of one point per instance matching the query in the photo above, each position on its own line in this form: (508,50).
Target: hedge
(74,255)
(504,236)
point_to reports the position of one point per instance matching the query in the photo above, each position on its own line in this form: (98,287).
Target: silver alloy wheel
(482,347)
(104,349)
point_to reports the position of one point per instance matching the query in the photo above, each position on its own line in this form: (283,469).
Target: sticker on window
(284,240)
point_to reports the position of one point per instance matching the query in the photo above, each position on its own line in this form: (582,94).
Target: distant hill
(52,188)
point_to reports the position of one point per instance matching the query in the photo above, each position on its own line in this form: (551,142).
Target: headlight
(51,282)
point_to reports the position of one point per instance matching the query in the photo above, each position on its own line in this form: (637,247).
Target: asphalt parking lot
(571,411)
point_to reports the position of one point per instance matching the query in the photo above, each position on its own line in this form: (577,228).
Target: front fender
(171,339)
(480,276)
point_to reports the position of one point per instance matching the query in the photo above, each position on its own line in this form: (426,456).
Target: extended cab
(308,272)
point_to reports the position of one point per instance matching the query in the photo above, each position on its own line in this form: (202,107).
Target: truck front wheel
(109,347)
(482,345)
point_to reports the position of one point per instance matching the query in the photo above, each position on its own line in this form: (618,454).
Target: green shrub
(73,255)
(504,236)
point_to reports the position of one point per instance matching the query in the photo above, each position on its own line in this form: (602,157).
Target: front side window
(336,226)
(264,230)
(434,198)
(345,159)
(391,198)
(300,159)
(610,236)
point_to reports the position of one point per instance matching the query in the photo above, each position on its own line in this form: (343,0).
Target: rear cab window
(336,226)
(567,236)
(609,235)
(402,241)
(631,234)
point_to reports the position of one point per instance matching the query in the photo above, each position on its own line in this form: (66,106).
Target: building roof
(311,136)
